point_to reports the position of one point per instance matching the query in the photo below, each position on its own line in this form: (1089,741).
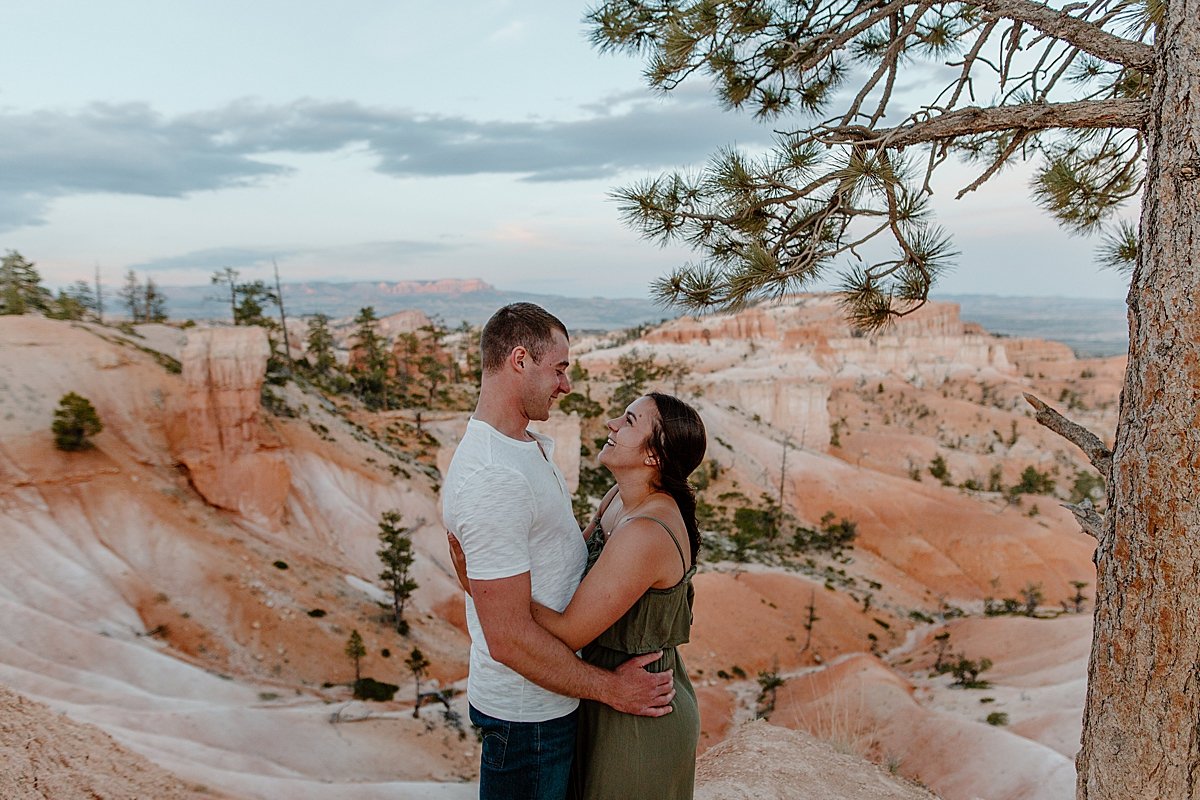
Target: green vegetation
(1076,600)
(1033,482)
(75,422)
(966,672)
(1087,486)
(143,302)
(939,470)
(371,689)
(21,287)
(418,665)
(396,554)
(355,650)
(769,683)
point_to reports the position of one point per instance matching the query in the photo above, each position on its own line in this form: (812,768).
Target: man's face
(546,380)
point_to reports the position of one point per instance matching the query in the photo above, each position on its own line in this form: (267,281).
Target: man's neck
(501,413)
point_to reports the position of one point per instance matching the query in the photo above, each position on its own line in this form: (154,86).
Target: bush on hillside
(75,422)
(371,689)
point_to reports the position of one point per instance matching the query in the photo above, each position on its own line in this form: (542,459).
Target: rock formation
(231,458)
(48,755)
(206,631)
(763,762)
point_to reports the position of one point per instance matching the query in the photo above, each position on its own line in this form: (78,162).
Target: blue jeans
(525,760)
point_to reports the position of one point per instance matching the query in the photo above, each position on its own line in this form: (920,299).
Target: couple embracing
(620,720)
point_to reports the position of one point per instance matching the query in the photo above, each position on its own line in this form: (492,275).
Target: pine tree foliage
(320,345)
(418,664)
(21,287)
(143,301)
(75,422)
(372,364)
(1067,86)
(356,650)
(75,302)
(397,556)
(133,297)
(251,300)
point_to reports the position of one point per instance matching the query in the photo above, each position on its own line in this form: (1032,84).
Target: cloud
(249,258)
(131,149)
(124,149)
(213,259)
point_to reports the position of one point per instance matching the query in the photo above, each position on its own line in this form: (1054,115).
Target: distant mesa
(453,300)
(442,286)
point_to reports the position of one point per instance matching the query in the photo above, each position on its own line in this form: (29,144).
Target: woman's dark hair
(678,442)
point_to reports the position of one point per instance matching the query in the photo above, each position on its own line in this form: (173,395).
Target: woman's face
(628,434)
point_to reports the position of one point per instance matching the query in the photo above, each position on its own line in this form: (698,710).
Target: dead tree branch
(1076,434)
(1091,520)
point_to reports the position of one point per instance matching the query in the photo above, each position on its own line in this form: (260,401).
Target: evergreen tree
(228,278)
(99,296)
(634,373)
(21,287)
(74,302)
(250,306)
(355,650)
(75,422)
(133,295)
(320,345)
(397,557)
(145,302)
(418,665)
(1107,96)
(155,302)
(433,373)
(373,367)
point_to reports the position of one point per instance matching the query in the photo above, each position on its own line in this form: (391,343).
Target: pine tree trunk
(1141,729)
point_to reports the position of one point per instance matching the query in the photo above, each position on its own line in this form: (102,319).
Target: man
(508,505)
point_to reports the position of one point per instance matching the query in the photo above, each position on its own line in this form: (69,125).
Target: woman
(635,598)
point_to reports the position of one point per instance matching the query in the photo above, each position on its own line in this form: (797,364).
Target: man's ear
(518,359)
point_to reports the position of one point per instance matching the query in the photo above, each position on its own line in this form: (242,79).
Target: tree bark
(1141,732)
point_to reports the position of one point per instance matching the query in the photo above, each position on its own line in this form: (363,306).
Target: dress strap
(667,528)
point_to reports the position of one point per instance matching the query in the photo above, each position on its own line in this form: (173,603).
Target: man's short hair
(518,325)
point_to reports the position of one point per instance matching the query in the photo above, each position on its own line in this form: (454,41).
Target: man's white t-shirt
(509,506)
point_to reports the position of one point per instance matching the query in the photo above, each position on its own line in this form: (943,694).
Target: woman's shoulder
(657,516)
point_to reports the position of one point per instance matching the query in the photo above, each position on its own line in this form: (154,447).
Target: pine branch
(1081,437)
(1115,113)
(1089,519)
(1087,36)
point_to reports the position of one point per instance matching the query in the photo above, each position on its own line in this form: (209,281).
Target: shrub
(1033,482)
(1087,486)
(966,672)
(997,718)
(75,422)
(939,470)
(371,689)
(1031,597)
(835,535)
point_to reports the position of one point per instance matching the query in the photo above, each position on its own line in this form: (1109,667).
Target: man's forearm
(539,656)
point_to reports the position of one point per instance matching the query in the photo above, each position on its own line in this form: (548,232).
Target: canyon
(179,597)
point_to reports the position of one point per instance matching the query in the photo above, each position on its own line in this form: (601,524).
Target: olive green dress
(623,756)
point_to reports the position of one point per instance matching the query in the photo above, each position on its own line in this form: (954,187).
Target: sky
(390,140)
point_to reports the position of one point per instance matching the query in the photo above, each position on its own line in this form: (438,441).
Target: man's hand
(636,691)
(459,559)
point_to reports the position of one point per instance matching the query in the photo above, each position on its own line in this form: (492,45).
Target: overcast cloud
(132,150)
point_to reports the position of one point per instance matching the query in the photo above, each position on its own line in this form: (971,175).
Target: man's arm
(629,565)
(515,640)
